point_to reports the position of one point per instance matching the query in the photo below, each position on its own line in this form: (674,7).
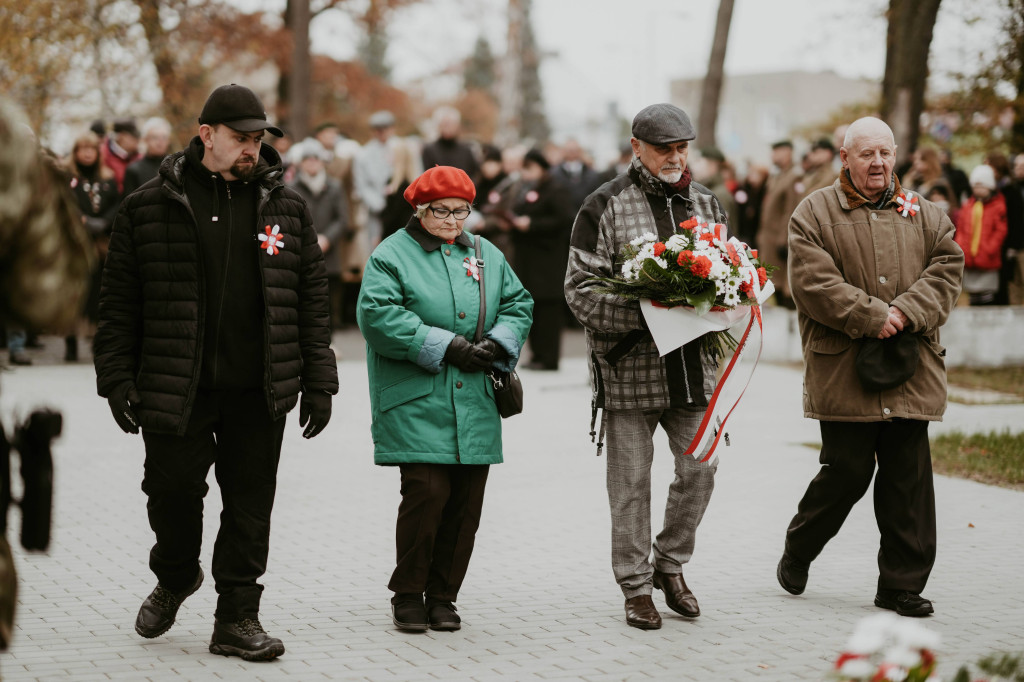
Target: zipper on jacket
(215,370)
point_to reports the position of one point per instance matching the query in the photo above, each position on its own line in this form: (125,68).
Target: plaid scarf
(856,199)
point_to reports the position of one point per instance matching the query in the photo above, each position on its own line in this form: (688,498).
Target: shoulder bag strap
(483,298)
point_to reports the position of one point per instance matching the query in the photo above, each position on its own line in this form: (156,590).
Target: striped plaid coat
(621,209)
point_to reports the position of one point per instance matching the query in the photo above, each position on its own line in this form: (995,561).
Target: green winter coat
(416,296)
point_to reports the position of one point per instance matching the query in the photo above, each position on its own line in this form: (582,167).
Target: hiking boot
(158,611)
(246,638)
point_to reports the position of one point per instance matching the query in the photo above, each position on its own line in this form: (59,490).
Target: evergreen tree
(533,122)
(480,68)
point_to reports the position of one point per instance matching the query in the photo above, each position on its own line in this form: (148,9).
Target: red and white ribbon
(730,389)
(908,205)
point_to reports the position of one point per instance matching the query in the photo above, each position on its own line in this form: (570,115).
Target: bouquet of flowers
(888,648)
(698,268)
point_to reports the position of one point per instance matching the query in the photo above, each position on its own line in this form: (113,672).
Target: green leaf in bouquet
(653,271)
(703,300)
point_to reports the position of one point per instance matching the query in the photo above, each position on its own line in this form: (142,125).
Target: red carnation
(685,257)
(747,288)
(708,237)
(659,248)
(762,276)
(701,266)
(688,224)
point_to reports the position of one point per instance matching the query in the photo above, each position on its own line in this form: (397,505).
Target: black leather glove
(491,347)
(121,401)
(466,356)
(315,408)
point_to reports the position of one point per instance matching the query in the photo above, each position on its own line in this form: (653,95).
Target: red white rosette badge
(908,205)
(270,240)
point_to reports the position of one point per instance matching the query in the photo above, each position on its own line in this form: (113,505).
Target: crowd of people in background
(527,200)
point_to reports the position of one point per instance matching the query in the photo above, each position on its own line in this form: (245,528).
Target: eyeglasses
(440,212)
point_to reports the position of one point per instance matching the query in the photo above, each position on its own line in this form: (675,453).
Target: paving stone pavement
(539,601)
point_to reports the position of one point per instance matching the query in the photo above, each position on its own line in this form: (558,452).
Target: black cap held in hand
(237,107)
(662,124)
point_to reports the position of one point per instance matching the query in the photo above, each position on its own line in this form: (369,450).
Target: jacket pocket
(405,390)
(831,344)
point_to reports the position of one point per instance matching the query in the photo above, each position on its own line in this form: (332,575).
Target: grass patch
(995,458)
(1003,379)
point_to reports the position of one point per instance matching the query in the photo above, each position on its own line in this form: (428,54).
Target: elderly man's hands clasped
(894,324)
(472,357)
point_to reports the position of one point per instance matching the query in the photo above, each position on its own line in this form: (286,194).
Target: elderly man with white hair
(156,139)
(874,272)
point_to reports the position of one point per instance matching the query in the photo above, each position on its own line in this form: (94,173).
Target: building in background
(759,109)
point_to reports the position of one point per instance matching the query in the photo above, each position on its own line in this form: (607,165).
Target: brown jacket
(780,198)
(847,264)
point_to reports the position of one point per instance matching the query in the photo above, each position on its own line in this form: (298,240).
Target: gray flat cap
(382,119)
(663,123)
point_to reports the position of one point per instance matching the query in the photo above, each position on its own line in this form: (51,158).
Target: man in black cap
(713,176)
(213,319)
(637,388)
(121,149)
(820,172)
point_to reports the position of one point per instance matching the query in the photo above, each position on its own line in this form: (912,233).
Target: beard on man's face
(670,175)
(242,170)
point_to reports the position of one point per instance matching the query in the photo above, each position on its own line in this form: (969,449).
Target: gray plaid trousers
(630,453)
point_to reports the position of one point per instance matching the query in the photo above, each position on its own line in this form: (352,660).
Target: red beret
(440,182)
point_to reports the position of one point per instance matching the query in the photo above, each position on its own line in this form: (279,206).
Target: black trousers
(232,431)
(437,522)
(904,497)
(546,332)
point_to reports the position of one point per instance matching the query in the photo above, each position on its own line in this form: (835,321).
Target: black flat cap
(126,125)
(663,123)
(823,143)
(237,107)
(712,154)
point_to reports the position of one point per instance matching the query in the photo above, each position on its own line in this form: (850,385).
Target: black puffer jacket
(152,314)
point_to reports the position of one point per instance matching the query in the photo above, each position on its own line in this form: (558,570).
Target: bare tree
(707,120)
(908,41)
(300,76)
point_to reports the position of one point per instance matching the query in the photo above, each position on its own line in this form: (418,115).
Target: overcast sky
(628,51)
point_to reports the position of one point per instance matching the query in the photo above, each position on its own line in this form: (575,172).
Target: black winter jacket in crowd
(153,321)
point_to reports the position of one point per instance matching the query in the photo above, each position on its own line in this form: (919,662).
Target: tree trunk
(300,76)
(1017,132)
(173,83)
(511,78)
(908,41)
(707,121)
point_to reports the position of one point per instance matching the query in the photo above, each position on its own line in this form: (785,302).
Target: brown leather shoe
(641,613)
(677,595)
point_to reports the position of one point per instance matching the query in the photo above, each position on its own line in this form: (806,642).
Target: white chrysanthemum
(677,242)
(719,270)
(644,238)
(856,669)
(871,634)
(731,297)
(647,251)
(630,270)
(914,635)
(733,283)
(661,262)
(903,656)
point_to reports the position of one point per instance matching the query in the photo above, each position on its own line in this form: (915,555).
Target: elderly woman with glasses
(431,400)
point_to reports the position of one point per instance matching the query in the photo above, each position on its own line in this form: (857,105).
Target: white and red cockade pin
(271,241)
(908,205)
(472,269)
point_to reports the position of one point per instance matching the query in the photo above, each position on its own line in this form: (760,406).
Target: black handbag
(508,389)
